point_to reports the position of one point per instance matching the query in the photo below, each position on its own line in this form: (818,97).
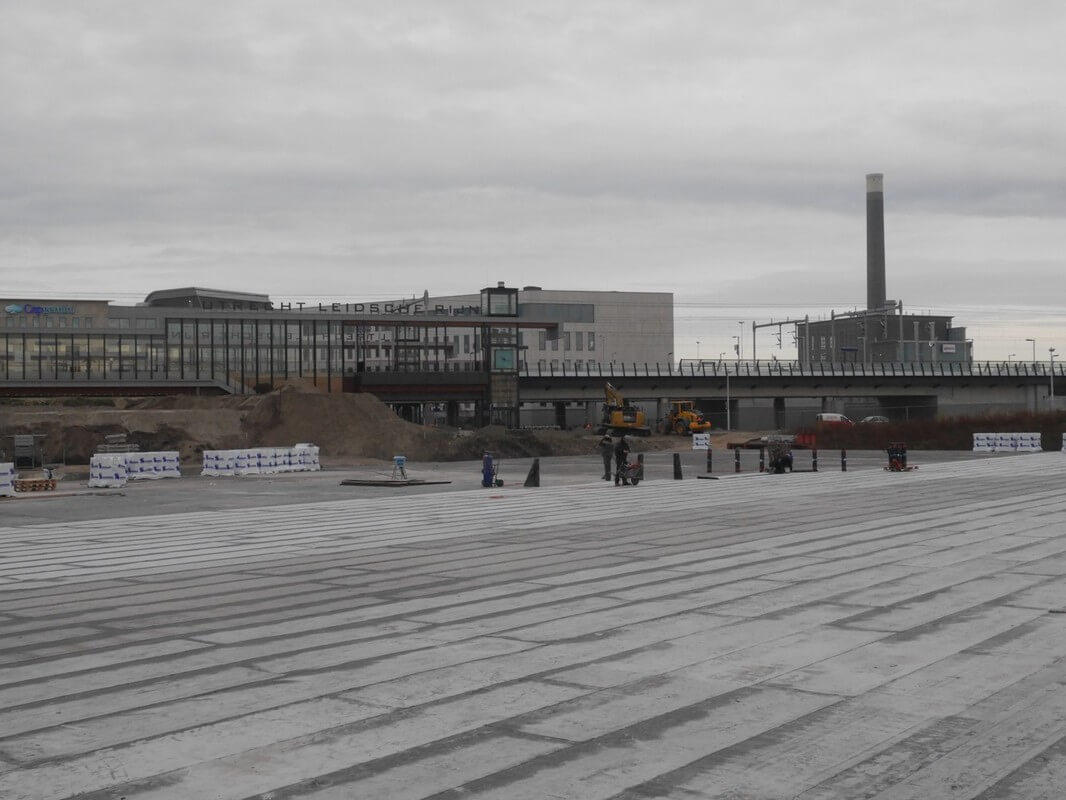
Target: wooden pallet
(34,484)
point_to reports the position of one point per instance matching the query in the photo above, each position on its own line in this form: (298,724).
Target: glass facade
(239,352)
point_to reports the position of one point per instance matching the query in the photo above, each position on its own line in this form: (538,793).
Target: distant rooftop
(198,297)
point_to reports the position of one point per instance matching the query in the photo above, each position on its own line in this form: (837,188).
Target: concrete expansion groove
(820,635)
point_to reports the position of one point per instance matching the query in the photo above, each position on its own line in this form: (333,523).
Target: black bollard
(843,460)
(736,459)
(814,459)
(708,460)
(762,459)
(640,466)
(533,478)
(677,466)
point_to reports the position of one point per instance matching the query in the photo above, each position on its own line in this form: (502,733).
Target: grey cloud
(720,147)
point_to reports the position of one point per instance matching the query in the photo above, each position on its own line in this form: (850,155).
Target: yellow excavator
(684,419)
(621,418)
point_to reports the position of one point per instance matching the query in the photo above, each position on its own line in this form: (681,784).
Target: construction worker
(606,447)
(621,456)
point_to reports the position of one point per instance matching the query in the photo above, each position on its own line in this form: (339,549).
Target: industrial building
(882,332)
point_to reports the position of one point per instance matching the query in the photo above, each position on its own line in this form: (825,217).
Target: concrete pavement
(815,635)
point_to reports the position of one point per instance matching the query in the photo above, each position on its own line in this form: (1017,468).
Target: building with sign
(466,347)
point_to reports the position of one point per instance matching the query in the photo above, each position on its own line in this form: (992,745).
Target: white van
(832,419)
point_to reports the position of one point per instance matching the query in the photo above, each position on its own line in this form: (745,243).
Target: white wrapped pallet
(210,460)
(169,463)
(7,479)
(985,442)
(222,463)
(247,462)
(141,466)
(1029,442)
(108,470)
(308,456)
(284,455)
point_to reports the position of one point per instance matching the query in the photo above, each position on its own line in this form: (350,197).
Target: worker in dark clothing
(621,456)
(606,447)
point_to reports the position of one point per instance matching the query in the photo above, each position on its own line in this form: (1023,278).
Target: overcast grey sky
(364,150)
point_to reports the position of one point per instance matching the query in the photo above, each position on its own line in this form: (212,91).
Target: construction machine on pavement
(685,419)
(619,417)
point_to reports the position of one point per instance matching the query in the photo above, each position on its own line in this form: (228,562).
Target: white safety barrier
(7,479)
(301,457)
(1064,441)
(1006,443)
(108,470)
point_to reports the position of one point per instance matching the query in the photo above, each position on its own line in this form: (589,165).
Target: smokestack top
(875,182)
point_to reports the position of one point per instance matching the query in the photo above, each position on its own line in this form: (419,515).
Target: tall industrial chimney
(875,241)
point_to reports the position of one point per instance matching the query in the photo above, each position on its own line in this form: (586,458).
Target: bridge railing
(763,369)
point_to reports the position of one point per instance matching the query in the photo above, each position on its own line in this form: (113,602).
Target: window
(579,340)
(579,364)
(566,340)
(555,344)
(49,322)
(592,342)
(88,322)
(62,322)
(542,365)
(75,322)
(542,339)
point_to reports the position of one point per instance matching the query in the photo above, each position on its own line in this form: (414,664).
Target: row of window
(568,365)
(48,321)
(571,340)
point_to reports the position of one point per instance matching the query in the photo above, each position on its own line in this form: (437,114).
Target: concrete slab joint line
(761,636)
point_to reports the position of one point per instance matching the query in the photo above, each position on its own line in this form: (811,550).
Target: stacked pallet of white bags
(153,465)
(261,461)
(108,470)
(7,479)
(1006,443)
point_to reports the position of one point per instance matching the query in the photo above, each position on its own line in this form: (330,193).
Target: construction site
(348,429)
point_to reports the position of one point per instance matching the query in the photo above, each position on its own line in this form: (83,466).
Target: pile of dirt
(348,428)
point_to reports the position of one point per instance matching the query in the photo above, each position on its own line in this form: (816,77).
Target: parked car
(876,419)
(832,419)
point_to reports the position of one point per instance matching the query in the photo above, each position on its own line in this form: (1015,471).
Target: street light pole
(1034,348)
(697,349)
(1051,374)
(740,340)
(1010,357)
(728,421)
